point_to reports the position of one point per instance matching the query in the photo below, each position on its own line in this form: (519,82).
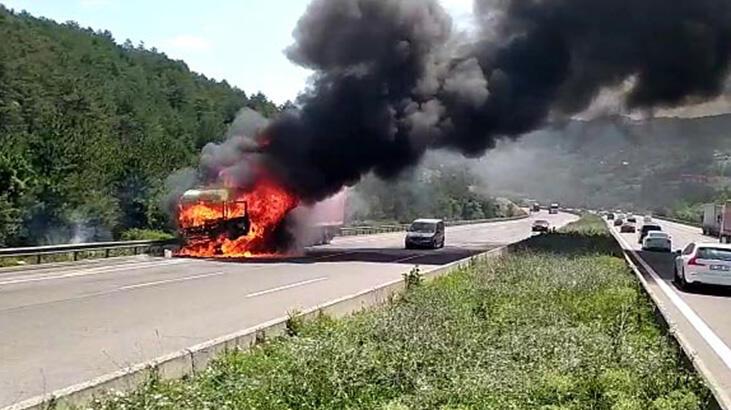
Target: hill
(90,129)
(656,164)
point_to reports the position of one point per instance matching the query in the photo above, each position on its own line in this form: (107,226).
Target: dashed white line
(285,287)
(87,272)
(715,342)
(162,282)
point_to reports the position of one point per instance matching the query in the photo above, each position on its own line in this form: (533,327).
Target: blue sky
(240,41)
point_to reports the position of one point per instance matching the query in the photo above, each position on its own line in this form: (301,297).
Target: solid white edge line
(285,287)
(711,338)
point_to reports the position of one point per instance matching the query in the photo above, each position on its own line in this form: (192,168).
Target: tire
(682,283)
(441,245)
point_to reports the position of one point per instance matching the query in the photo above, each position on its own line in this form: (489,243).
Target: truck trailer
(724,235)
(712,216)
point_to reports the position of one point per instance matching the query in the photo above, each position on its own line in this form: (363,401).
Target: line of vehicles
(698,262)
(650,235)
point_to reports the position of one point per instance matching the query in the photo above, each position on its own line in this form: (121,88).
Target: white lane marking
(412,257)
(162,282)
(715,342)
(92,271)
(285,287)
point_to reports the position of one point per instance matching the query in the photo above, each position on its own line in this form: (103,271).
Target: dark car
(610,216)
(647,228)
(618,222)
(628,227)
(541,226)
(425,233)
(632,219)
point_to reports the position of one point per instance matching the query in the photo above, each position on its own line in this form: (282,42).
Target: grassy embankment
(562,324)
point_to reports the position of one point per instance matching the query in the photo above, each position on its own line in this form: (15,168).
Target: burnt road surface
(64,324)
(703,315)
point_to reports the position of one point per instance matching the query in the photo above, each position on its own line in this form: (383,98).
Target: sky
(240,41)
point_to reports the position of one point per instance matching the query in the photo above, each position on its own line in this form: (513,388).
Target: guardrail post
(135,250)
(76,256)
(38,259)
(106,253)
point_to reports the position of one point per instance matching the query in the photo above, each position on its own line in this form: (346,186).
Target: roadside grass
(540,329)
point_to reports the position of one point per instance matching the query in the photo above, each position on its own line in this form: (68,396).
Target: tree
(89,129)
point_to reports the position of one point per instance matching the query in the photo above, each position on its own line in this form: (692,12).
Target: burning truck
(262,221)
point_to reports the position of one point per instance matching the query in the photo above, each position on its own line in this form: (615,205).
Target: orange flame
(267,204)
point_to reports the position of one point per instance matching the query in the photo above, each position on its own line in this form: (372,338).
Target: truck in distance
(553,209)
(536,207)
(712,215)
(717,221)
(724,235)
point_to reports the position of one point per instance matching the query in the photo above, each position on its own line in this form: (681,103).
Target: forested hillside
(90,129)
(666,165)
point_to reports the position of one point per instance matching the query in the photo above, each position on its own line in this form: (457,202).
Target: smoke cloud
(393,79)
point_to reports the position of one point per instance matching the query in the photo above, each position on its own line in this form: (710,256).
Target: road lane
(704,313)
(69,323)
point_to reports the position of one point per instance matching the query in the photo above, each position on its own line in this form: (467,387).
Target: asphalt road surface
(67,323)
(703,314)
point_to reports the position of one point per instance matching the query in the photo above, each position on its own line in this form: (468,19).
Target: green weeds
(541,329)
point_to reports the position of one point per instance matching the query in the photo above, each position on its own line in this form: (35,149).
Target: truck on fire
(230,219)
(225,215)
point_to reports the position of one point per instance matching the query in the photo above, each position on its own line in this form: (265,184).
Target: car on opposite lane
(657,241)
(425,233)
(541,225)
(706,263)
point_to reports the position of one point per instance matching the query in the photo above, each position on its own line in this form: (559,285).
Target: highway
(702,315)
(64,324)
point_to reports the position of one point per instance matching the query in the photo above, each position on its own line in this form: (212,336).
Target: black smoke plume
(392,81)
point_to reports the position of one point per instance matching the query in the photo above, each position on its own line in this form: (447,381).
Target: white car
(708,263)
(657,241)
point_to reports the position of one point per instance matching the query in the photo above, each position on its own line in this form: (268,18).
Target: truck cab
(205,214)
(553,209)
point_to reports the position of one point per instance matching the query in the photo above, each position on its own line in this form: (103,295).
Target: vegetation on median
(540,329)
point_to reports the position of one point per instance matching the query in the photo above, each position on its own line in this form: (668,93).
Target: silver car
(657,241)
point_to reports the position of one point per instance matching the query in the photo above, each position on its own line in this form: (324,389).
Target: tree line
(90,129)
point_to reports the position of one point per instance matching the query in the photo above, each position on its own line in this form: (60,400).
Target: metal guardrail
(38,252)
(75,249)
